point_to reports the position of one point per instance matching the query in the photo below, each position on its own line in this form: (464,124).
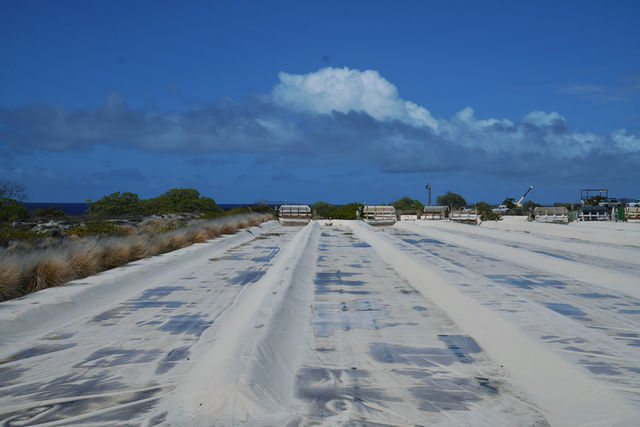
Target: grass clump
(50,271)
(85,257)
(9,279)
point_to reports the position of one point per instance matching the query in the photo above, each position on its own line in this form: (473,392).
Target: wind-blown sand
(431,323)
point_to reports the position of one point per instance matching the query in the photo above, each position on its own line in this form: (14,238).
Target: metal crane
(519,202)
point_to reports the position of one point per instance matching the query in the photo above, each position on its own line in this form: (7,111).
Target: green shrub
(453,200)
(348,211)
(49,212)
(530,205)
(407,204)
(486,211)
(9,234)
(116,204)
(323,210)
(12,210)
(178,200)
(97,228)
(326,210)
(508,202)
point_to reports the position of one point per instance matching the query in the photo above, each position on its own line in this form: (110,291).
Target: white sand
(508,323)
(544,375)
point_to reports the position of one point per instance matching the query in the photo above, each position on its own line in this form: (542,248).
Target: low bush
(175,200)
(98,228)
(116,204)
(486,211)
(10,234)
(407,204)
(326,210)
(49,212)
(453,200)
(179,200)
(12,210)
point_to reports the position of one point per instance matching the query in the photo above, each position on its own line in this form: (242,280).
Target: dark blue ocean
(81,208)
(68,208)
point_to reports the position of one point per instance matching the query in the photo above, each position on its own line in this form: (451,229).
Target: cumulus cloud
(344,90)
(330,114)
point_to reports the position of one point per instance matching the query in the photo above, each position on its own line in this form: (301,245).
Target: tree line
(175,200)
(183,200)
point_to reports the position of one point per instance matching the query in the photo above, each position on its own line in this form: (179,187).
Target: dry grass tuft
(213,230)
(115,253)
(48,272)
(86,259)
(9,280)
(198,236)
(128,230)
(159,245)
(229,228)
(178,240)
(139,248)
(150,226)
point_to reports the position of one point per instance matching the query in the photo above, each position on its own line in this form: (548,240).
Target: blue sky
(306,101)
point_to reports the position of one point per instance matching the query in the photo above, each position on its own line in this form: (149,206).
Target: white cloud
(622,141)
(345,90)
(542,119)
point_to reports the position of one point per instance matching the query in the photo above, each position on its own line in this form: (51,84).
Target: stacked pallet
(557,215)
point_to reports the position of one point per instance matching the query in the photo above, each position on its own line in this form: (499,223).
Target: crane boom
(518,203)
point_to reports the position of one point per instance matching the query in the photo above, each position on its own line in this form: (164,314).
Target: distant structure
(379,215)
(585,193)
(632,214)
(557,215)
(593,213)
(519,202)
(470,216)
(409,215)
(428,187)
(294,214)
(435,212)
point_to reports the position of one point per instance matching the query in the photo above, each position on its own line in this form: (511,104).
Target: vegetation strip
(26,269)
